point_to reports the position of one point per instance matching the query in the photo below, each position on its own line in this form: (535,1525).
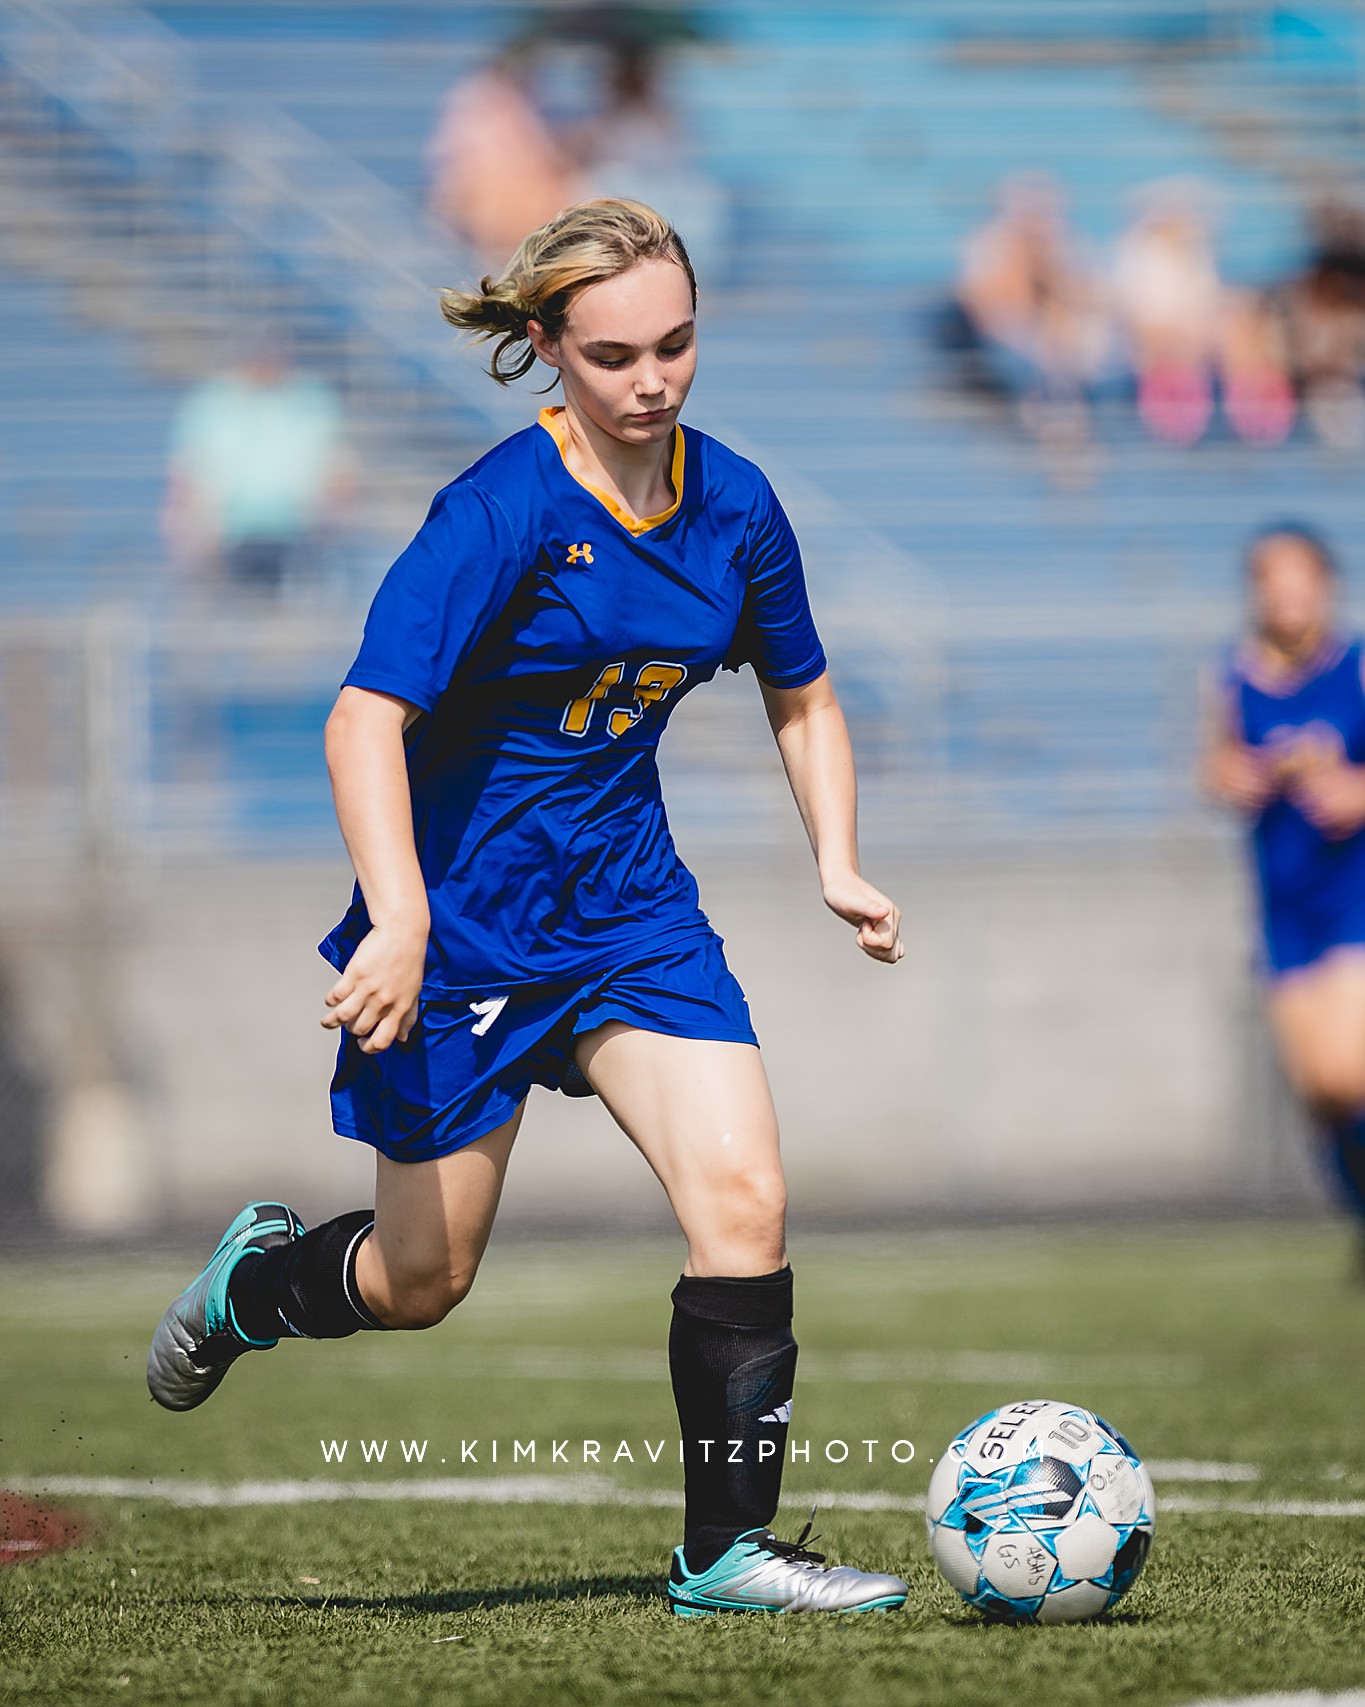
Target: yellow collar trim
(552,421)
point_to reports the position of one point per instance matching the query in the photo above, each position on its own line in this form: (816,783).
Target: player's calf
(338,1281)
(732,1359)
(267,1279)
(308,1290)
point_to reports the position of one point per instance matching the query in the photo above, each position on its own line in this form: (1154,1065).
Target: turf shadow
(967,1618)
(465,1600)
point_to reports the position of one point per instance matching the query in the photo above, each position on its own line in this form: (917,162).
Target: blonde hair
(586,243)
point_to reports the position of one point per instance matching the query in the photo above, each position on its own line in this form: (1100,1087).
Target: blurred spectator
(530,133)
(258,474)
(1258,394)
(1035,311)
(1034,320)
(1324,316)
(496,169)
(636,147)
(1169,297)
(1187,330)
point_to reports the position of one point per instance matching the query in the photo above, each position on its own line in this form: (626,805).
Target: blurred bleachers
(1018,655)
(82,453)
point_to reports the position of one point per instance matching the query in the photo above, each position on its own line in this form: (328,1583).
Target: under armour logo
(489,1010)
(580,554)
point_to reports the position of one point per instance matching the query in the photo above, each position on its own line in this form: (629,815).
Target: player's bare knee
(426,1302)
(753,1207)
(415,1310)
(770,1208)
(1334,1088)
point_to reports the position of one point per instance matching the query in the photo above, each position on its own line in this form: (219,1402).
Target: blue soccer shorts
(471,1058)
(1297,937)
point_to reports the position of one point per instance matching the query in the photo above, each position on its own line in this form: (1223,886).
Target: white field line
(562,1490)
(1200,1470)
(1198,1503)
(1302,1698)
(492,1490)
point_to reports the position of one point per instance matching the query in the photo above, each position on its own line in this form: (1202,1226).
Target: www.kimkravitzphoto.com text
(509,1453)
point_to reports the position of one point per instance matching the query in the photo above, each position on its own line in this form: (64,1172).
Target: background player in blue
(1288,751)
(521,916)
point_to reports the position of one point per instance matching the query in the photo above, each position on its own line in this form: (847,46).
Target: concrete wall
(1078,1035)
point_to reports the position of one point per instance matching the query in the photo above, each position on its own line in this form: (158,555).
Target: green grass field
(1231,1345)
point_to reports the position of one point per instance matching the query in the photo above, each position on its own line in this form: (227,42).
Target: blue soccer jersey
(547,636)
(1312,886)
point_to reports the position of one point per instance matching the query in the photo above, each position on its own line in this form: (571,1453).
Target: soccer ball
(1040,1512)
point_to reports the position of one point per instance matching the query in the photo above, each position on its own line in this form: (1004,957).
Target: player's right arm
(1233,772)
(430,611)
(375,998)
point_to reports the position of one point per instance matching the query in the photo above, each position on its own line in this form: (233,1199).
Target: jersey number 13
(651,684)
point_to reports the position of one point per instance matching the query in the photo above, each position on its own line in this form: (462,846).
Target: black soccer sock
(306,1288)
(733,1360)
(1348,1153)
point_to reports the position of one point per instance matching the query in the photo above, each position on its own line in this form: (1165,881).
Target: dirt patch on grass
(28,1529)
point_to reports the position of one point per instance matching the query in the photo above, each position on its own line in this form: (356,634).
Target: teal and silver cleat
(198,1338)
(762,1574)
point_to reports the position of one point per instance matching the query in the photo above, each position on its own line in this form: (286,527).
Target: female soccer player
(521,915)
(1288,751)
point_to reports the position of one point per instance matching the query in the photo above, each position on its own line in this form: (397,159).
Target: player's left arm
(812,738)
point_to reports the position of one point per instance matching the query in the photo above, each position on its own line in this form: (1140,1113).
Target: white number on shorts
(490,1011)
